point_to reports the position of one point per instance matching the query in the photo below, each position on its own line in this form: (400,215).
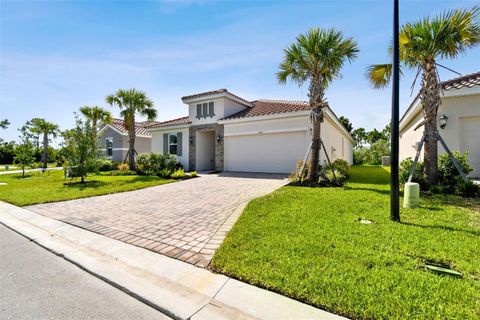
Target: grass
(51,186)
(307,243)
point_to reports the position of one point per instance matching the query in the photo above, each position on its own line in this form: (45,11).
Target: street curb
(177,289)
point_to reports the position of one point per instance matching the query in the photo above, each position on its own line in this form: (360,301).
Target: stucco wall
(223,107)
(458,109)
(271,138)
(157,143)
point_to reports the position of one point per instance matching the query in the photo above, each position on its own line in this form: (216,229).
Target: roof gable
(140,127)
(214,93)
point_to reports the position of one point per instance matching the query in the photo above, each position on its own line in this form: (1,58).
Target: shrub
(342,166)
(178,174)
(360,155)
(106,165)
(165,173)
(447,173)
(123,167)
(193,174)
(466,189)
(294,176)
(332,176)
(126,172)
(405,168)
(157,163)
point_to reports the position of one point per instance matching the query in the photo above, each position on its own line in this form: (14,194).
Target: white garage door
(273,152)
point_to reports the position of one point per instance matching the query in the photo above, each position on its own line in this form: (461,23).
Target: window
(210,109)
(109,147)
(199,111)
(205,110)
(172,143)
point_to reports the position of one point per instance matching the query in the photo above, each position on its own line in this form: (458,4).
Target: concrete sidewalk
(29,170)
(177,289)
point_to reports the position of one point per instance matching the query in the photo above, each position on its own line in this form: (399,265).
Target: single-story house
(458,121)
(225,132)
(113,139)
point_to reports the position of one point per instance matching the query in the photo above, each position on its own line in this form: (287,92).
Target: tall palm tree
(317,57)
(131,101)
(96,114)
(422,43)
(42,127)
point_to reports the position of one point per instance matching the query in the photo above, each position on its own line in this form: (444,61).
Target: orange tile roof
(170,123)
(469,81)
(213,93)
(267,107)
(140,127)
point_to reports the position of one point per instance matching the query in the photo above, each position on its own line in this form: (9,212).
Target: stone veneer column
(191,148)
(219,148)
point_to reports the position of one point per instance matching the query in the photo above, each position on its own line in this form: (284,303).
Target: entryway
(205,150)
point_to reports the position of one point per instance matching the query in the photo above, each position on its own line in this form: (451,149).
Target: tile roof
(267,107)
(170,123)
(466,81)
(213,93)
(469,81)
(140,127)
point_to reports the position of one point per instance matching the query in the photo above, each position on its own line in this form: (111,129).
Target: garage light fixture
(190,139)
(219,138)
(443,121)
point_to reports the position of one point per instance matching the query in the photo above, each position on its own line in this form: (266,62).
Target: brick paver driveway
(185,220)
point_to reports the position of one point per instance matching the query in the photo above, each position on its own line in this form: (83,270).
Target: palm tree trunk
(430,98)
(316,94)
(131,147)
(94,128)
(45,150)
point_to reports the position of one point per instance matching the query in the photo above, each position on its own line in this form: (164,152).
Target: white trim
(266,117)
(180,126)
(246,133)
(461,92)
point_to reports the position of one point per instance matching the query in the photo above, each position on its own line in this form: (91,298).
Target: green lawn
(50,186)
(307,243)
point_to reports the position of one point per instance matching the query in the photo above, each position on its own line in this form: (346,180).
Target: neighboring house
(460,108)
(113,139)
(224,132)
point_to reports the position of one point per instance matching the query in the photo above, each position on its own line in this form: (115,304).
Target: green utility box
(411,195)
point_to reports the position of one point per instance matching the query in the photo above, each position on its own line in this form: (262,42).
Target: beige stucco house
(461,108)
(225,132)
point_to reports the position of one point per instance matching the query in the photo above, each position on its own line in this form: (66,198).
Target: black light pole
(394,183)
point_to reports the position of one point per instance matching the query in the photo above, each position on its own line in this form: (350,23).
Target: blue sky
(57,56)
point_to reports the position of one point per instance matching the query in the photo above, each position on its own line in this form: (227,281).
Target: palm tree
(131,101)
(422,43)
(40,126)
(96,114)
(317,57)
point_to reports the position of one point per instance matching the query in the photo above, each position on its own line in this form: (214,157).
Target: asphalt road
(36,284)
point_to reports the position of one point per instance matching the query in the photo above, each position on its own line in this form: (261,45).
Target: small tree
(38,126)
(82,149)
(24,152)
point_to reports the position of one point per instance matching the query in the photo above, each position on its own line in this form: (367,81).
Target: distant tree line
(369,146)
